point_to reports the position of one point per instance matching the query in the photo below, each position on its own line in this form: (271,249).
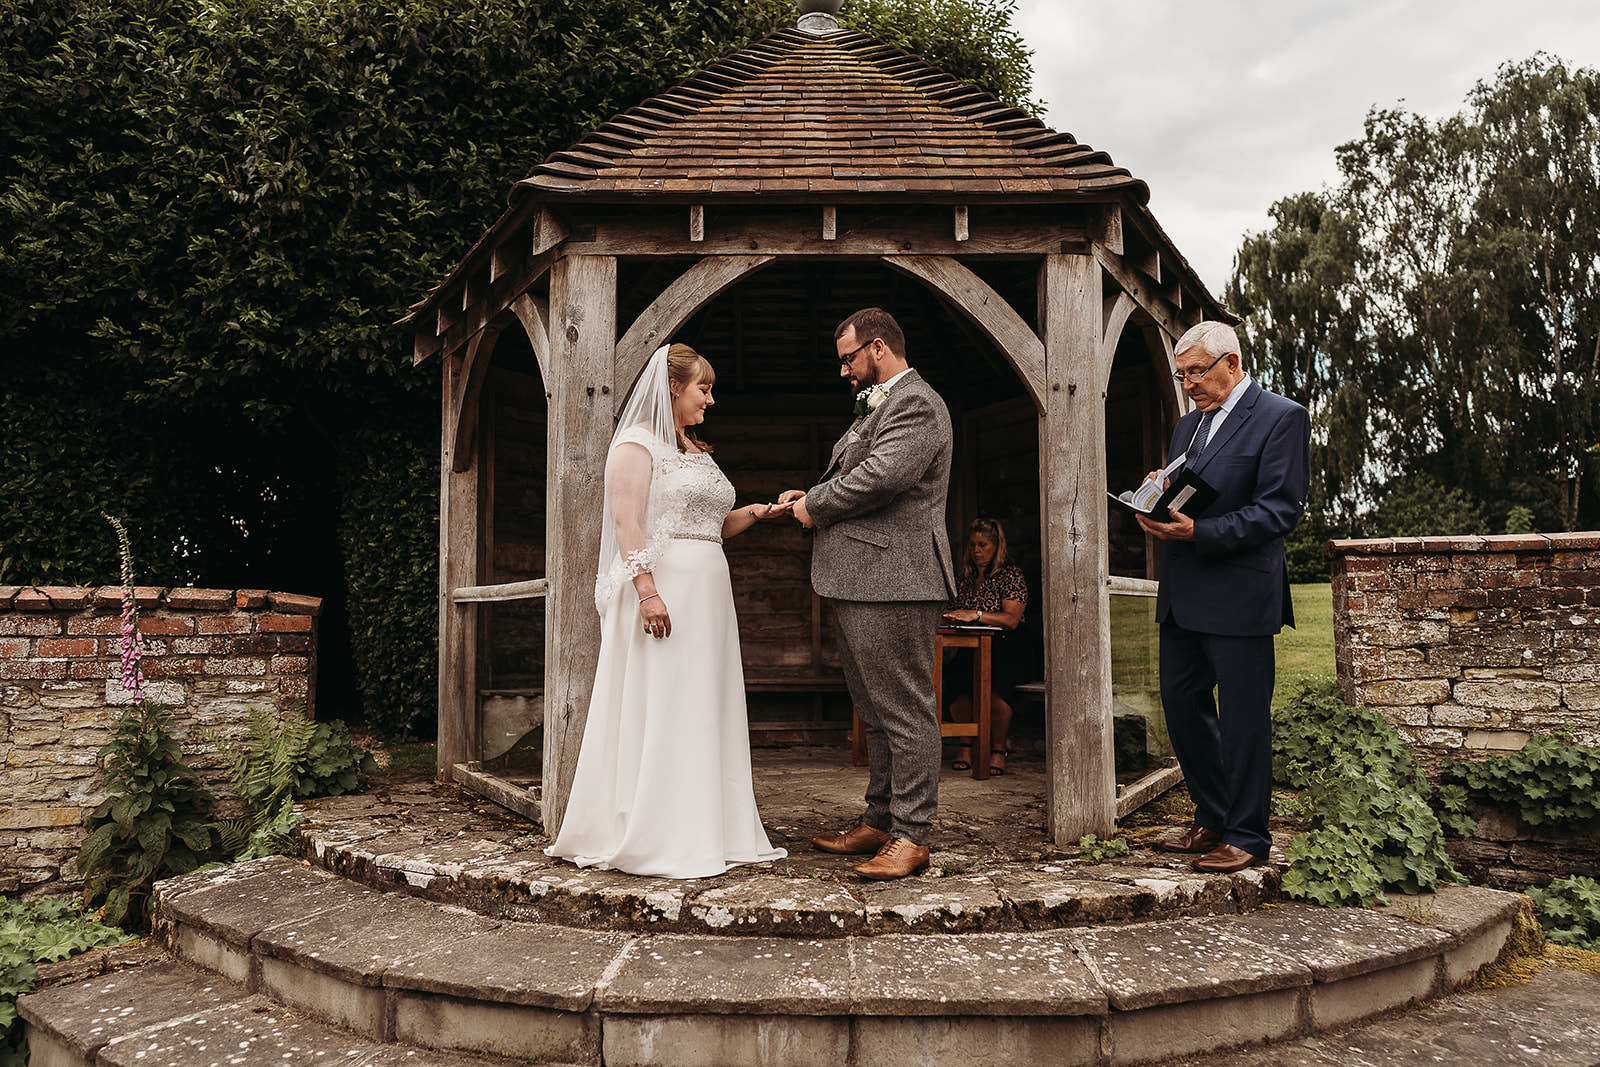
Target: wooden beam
(458,566)
(985,309)
(697,223)
(1116,319)
(524,802)
(963,223)
(1142,291)
(494,594)
(1137,794)
(583,314)
(1108,230)
(468,396)
(534,314)
(506,289)
(677,304)
(876,236)
(830,222)
(1080,784)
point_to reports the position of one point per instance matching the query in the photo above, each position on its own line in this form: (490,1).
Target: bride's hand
(657,623)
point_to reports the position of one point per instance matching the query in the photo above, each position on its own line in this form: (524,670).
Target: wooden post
(458,566)
(1080,785)
(583,337)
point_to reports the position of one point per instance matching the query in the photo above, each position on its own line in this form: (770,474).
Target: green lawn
(1307,650)
(1304,652)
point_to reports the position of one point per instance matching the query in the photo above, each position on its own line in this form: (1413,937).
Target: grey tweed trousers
(886,649)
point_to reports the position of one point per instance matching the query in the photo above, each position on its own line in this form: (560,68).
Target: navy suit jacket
(1232,579)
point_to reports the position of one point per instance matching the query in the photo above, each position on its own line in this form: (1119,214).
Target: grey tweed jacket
(879,510)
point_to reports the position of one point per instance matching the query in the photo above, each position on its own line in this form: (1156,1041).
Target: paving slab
(589,897)
(790,907)
(358,942)
(237,905)
(1178,889)
(517,963)
(971,974)
(85,1016)
(964,903)
(1552,1020)
(257,1030)
(1052,899)
(1339,943)
(673,974)
(1158,963)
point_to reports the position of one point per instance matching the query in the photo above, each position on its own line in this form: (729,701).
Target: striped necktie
(1201,437)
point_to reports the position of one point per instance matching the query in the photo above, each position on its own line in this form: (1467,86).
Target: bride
(663,784)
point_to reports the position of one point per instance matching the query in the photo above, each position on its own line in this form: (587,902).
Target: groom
(882,556)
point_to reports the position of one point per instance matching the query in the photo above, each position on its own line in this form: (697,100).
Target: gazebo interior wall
(780,405)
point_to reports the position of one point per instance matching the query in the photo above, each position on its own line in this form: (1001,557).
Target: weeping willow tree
(1438,310)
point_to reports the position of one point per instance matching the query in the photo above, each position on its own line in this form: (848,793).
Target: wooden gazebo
(747,211)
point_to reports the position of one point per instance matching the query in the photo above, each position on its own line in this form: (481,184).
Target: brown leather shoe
(1194,839)
(1225,859)
(859,840)
(896,859)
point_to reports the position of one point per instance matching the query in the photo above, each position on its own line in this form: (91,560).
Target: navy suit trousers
(1224,745)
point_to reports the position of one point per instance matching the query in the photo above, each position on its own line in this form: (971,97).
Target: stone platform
(425,927)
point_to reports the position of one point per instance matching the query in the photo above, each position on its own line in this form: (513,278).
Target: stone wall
(209,654)
(1471,643)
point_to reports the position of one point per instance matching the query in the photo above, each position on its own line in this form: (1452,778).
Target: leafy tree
(1439,309)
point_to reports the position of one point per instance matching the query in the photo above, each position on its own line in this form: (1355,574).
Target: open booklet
(1188,492)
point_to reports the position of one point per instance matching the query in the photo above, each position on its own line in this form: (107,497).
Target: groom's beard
(867,379)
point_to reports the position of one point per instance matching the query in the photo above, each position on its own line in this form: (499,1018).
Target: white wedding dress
(663,783)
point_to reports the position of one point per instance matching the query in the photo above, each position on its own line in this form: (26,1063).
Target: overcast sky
(1226,106)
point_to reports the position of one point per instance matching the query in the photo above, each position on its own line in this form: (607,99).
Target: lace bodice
(703,491)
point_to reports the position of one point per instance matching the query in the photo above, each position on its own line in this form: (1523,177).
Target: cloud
(1225,108)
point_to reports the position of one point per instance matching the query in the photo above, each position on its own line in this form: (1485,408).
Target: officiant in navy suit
(1224,594)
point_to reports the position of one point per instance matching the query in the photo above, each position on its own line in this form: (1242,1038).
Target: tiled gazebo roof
(837,116)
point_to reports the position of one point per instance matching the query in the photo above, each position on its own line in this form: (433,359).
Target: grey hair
(1217,338)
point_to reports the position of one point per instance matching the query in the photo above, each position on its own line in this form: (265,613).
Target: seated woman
(991,592)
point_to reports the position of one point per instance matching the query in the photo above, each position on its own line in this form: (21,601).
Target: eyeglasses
(1194,375)
(850,356)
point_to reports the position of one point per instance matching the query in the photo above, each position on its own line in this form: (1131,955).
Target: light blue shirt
(1224,411)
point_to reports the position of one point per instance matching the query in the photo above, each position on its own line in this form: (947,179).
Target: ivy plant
(1549,783)
(34,932)
(1371,829)
(1569,911)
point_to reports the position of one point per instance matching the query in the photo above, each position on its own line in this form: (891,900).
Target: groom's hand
(797,497)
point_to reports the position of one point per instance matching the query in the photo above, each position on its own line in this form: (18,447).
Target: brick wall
(209,654)
(1471,643)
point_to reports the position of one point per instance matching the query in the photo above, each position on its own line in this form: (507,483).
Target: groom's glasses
(850,356)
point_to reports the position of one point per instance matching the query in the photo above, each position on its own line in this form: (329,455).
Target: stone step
(443,855)
(394,968)
(170,1014)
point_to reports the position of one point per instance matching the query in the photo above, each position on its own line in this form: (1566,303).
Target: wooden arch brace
(534,314)
(678,302)
(987,310)
(1111,335)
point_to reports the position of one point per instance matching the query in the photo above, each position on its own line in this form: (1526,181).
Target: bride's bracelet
(652,596)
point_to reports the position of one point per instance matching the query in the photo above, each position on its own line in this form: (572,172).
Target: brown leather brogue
(859,840)
(1225,859)
(896,859)
(1194,839)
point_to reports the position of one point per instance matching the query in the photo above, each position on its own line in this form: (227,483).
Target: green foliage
(1569,911)
(33,932)
(1519,520)
(1549,782)
(1371,827)
(1421,506)
(152,825)
(1438,309)
(389,491)
(972,39)
(282,760)
(1097,851)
